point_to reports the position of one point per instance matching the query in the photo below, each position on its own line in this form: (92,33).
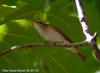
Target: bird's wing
(53,34)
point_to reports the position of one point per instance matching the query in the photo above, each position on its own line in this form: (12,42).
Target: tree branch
(38,44)
(90,38)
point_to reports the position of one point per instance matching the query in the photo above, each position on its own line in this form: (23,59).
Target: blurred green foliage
(16,28)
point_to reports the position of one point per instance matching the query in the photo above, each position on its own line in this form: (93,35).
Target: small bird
(53,34)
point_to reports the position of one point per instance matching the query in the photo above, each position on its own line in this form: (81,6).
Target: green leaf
(16,28)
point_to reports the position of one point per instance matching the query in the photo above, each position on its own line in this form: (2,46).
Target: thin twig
(83,21)
(38,44)
(90,39)
(86,30)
